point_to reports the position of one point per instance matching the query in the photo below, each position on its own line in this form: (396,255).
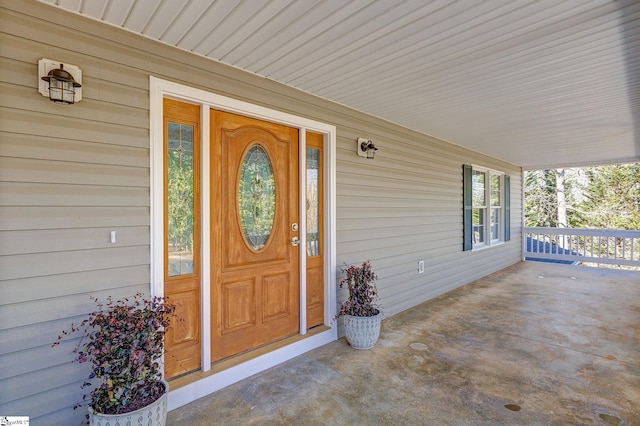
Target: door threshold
(233,361)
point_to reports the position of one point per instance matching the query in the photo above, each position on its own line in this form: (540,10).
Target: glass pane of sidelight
(256,197)
(180,207)
(313,202)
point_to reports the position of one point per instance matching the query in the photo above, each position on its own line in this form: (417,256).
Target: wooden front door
(254,229)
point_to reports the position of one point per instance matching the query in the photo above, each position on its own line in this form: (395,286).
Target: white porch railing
(608,246)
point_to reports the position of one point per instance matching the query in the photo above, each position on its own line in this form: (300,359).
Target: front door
(254,233)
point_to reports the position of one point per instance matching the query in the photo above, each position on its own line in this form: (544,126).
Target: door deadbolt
(294,227)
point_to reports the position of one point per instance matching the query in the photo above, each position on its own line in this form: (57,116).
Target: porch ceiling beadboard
(535,83)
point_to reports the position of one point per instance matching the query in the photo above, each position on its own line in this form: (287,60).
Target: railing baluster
(602,246)
(599,246)
(570,244)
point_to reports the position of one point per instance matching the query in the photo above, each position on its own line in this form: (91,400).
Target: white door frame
(160,89)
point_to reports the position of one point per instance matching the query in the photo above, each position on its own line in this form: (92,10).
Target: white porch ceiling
(537,83)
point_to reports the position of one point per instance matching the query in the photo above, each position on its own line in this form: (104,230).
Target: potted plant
(360,311)
(124,342)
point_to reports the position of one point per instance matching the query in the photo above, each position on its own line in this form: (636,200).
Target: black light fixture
(62,86)
(60,82)
(366,148)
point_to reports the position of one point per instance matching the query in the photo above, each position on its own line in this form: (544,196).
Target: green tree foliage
(180,187)
(611,198)
(180,206)
(606,197)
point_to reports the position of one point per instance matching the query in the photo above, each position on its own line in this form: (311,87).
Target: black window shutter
(467,211)
(507,208)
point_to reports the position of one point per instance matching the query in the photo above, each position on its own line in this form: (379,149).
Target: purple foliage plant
(124,342)
(363,294)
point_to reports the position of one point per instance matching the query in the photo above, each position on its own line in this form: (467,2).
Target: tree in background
(590,197)
(539,198)
(552,197)
(612,198)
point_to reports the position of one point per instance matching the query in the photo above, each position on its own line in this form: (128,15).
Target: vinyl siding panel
(51,195)
(56,217)
(71,174)
(52,240)
(65,172)
(42,264)
(20,122)
(58,386)
(93,281)
(44,148)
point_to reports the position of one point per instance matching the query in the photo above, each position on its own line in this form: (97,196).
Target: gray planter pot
(362,332)
(153,414)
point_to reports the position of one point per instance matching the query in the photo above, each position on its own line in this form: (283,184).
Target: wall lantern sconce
(366,148)
(62,83)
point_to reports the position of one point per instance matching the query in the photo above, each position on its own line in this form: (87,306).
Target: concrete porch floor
(536,343)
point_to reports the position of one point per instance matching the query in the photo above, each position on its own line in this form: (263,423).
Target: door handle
(295,241)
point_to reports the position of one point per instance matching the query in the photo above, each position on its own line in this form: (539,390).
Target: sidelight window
(180,202)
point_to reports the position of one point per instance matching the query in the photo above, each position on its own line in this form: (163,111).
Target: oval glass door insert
(256,197)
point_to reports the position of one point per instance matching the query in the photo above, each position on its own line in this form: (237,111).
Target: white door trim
(160,89)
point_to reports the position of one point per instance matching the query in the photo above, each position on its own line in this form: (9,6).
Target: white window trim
(160,89)
(487,190)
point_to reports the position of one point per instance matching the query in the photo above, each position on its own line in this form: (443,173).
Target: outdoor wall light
(366,148)
(62,83)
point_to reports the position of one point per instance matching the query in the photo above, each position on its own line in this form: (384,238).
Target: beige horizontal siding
(65,172)
(94,110)
(55,240)
(20,122)
(57,195)
(44,310)
(94,281)
(64,150)
(71,174)
(60,262)
(50,358)
(40,403)
(20,217)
